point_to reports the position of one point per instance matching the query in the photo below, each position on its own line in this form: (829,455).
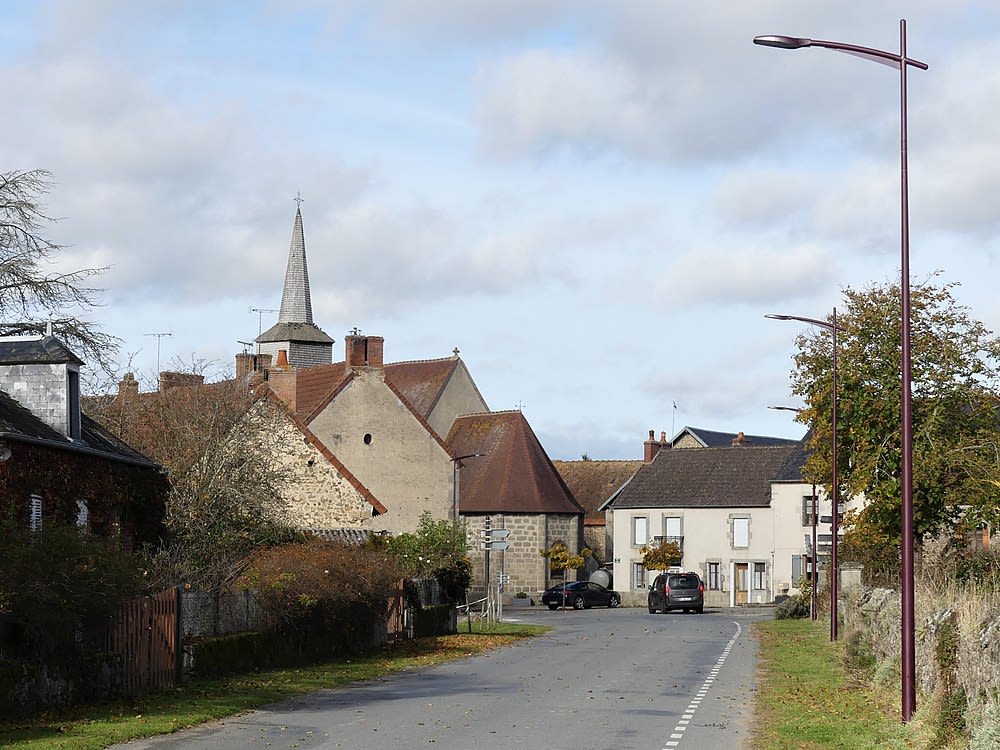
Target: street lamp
(832,327)
(901,62)
(814,512)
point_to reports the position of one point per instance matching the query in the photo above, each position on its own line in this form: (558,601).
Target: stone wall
(522,560)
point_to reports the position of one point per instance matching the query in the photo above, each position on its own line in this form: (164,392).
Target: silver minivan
(677,591)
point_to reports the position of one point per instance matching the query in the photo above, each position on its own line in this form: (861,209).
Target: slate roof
(714,439)
(515,475)
(594,482)
(730,477)
(35,350)
(18,424)
(421,381)
(298,332)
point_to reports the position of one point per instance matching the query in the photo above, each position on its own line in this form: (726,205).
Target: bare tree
(31,294)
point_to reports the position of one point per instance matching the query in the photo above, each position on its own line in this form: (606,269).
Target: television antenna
(260,321)
(158,337)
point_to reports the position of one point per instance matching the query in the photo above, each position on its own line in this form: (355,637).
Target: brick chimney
(364,352)
(128,386)
(740,439)
(170,380)
(252,364)
(651,447)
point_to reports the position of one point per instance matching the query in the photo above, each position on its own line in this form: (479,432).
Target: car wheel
(578,603)
(553,606)
(652,609)
(700,610)
(614,601)
(685,610)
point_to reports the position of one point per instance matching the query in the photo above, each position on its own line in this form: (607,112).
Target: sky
(595,202)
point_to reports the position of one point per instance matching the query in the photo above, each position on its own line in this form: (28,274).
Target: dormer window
(73,428)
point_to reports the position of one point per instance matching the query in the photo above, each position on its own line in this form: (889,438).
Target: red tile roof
(515,475)
(594,482)
(421,381)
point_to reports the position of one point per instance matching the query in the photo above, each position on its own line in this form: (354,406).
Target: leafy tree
(561,559)
(31,292)
(437,549)
(955,372)
(662,556)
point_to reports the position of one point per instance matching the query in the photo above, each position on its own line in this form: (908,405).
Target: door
(742,585)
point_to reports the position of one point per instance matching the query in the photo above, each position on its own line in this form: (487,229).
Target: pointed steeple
(304,344)
(296,304)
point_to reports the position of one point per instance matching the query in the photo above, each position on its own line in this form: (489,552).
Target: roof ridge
(420,361)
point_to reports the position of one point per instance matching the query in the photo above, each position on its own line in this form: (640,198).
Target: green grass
(807,699)
(95,727)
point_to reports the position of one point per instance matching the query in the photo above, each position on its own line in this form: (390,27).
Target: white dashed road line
(682,724)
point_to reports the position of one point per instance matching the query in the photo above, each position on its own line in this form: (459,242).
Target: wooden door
(742,585)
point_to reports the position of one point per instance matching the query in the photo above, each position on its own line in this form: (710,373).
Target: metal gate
(144,635)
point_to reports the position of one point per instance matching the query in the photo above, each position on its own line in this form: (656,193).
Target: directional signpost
(493,539)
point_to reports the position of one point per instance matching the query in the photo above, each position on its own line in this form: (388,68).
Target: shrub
(986,734)
(792,608)
(321,584)
(59,586)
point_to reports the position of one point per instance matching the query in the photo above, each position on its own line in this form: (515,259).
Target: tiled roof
(593,482)
(18,423)
(422,381)
(314,386)
(20,350)
(714,439)
(731,477)
(298,332)
(515,475)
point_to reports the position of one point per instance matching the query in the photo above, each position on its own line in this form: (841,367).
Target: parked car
(580,595)
(677,591)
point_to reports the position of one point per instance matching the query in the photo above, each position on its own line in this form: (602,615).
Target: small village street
(601,679)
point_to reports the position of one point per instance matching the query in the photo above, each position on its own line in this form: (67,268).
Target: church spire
(296,304)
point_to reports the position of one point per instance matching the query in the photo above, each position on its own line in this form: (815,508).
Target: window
(797,564)
(638,575)
(82,515)
(807,510)
(714,576)
(672,528)
(741,532)
(759,576)
(35,513)
(640,531)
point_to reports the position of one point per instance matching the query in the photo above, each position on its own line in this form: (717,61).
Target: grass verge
(161,712)
(807,698)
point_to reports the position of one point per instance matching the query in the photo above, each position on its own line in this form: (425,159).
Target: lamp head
(782,42)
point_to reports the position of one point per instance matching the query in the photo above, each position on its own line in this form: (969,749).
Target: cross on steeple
(298,199)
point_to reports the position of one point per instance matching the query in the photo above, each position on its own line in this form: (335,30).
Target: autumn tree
(956,458)
(662,556)
(561,559)
(33,292)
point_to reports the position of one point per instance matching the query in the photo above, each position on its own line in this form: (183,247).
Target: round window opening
(368,438)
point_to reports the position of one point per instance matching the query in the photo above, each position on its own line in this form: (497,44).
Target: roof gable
(716,439)
(514,475)
(593,482)
(421,381)
(732,477)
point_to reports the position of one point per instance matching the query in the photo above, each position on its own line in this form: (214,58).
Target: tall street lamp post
(832,327)
(901,62)
(814,513)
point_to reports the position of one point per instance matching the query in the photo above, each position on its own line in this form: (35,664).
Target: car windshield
(683,582)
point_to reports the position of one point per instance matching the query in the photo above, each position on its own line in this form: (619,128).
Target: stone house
(59,466)
(509,480)
(739,513)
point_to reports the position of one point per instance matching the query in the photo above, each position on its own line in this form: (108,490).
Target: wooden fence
(396,613)
(145,636)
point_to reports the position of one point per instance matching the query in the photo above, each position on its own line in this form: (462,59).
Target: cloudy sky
(596,202)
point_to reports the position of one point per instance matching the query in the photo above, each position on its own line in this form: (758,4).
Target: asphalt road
(601,679)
